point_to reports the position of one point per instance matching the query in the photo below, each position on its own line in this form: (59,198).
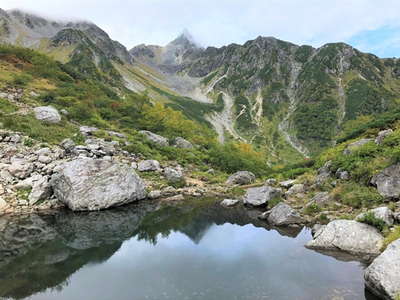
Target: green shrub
(370,219)
(22,79)
(311,209)
(356,195)
(391,237)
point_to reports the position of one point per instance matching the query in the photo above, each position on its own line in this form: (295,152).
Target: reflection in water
(147,251)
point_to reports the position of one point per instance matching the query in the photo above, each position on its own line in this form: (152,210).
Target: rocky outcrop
(382,277)
(155,138)
(229,202)
(180,142)
(355,146)
(282,215)
(241,178)
(381,213)
(388,182)
(261,195)
(89,184)
(149,166)
(324,173)
(360,240)
(47,114)
(321,199)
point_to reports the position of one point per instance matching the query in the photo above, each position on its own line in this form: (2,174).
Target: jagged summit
(185,39)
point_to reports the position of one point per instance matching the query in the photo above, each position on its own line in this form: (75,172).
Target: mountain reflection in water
(198,250)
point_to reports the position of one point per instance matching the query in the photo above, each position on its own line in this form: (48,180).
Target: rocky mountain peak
(185,39)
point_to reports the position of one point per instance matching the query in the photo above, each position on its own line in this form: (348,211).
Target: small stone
(148,166)
(229,202)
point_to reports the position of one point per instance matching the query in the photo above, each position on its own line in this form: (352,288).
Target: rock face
(241,178)
(229,202)
(182,143)
(381,213)
(261,195)
(90,184)
(155,138)
(47,114)
(148,166)
(388,182)
(282,214)
(382,277)
(354,146)
(354,238)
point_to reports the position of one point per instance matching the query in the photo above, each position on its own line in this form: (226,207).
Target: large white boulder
(47,114)
(94,184)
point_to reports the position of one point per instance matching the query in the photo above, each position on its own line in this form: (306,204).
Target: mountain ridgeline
(292,101)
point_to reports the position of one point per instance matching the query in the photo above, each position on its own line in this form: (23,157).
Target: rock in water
(241,177)
(388,182)
(47,114)
(282,214)
(382,277)
(229,202)
(261,195)
(354,238)
(90,184)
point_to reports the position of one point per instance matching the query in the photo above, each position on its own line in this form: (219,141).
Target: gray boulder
(321,199)
(149,166)
(351,237)
(342,174)
(271,182)
(388,182)
(155,138)
(381,213)
(20,168)
(356,145)
(261,195)
(382,277)
(324,173)
(173,175)
(241,178)
(382,135)
(41,190)
(68,145)
(282,214)
(180,142)
(89,184)
(287,184)
(229,202)
(296,189)
(47,114)
(87,130)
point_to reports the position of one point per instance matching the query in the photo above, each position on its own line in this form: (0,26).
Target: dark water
(170,252)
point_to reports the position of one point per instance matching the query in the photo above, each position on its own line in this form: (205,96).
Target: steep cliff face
(281,90)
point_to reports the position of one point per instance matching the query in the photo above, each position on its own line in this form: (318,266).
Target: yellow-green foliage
(391,237)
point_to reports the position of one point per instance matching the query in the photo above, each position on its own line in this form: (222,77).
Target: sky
(369,25)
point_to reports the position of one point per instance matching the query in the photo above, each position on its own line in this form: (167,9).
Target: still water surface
(170,252)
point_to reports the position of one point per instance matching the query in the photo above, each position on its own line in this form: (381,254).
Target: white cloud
(224,21)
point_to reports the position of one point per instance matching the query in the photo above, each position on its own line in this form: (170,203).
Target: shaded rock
(89,184)
(271,181)
(155,138)
(47,114)
(41,190)
(358,239)
(229,202)
(87,130)
(388,182)
(287,184)
(382,135)
(316,228)
(173,175)
(148,165)
(241,177)
(381,213)
(324,173)
(180,142)
(261,195)
(68,145)
(355,145)
(282,214)
(396,216)
(382,277)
